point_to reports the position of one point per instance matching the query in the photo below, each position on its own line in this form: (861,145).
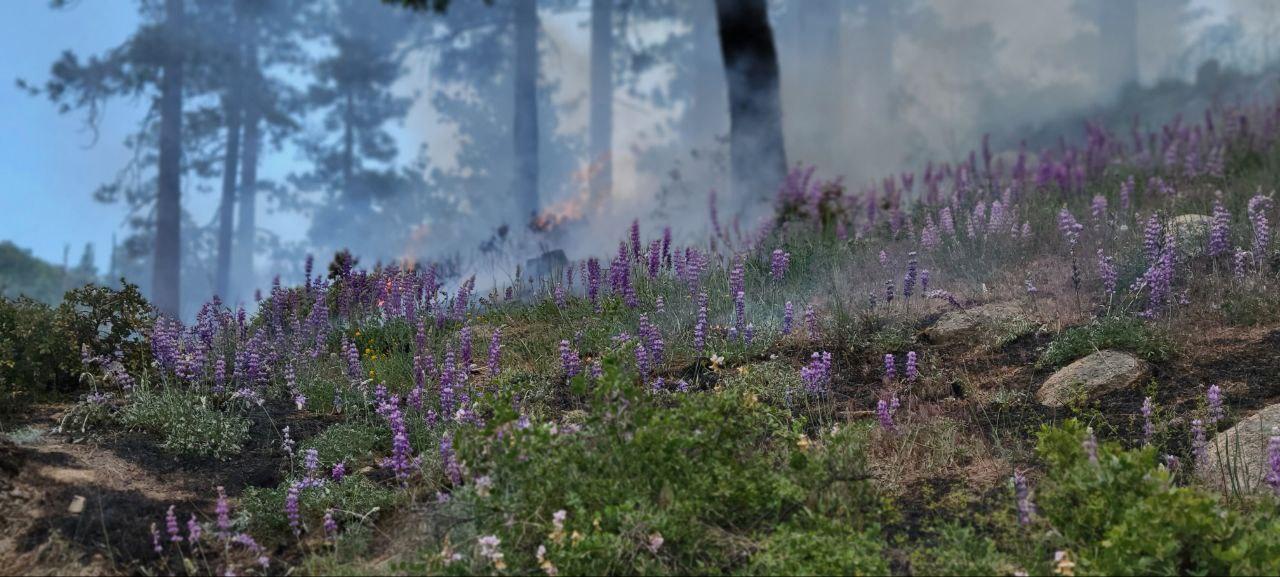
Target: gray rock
(1236,459)
(1091,377)
(963,324)
(1191,231)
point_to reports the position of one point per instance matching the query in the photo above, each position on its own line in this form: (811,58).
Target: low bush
(186,423)
(1120,513)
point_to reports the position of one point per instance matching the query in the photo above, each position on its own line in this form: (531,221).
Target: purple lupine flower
(651,338)
(155,540)
(748,333)
(1198,444)
(700,326)
(787,313)
(1023,494)
(448,381)
(558,296)
(666,246)
(635,239)
(1031,287)
(311,461)
(593,281)
(1098,208)
(947,221)
(884,259)
(659,305)
(890,368)
(291,508)
(1126,191)
(1214,403)
(779,264)
(1069,226)
(643,365)
(171,525)
(193,529)
(739,311)
(1147,429)
(1273,461)
(885,412)
(817,374)
(223,512)
(924,281)
(401,460)
(330,525)
(909,279)
(1152,235)
(1257,211)
(449,460)
(1107,271)
(339,472)
(1240,263)
(811,321)
(220,375)
(912,371)
(737,277)
(1220,231)
(569,360)
(889,289)
(655,258)
(495,352)
(286,442)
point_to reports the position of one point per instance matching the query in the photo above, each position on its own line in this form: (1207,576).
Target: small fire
(576,206)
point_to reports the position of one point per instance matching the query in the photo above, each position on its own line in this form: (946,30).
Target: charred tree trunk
(230,166)
(525,123)
(166,290)
(601,99)
(252,104)
(757,154)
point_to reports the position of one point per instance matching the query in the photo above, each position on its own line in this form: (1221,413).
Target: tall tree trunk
(252,103)
(166,290)
(230,165)
(601,99)
(526,107)
(708,115)
(757,154)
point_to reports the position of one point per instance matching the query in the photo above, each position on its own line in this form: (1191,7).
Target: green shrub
(351,442)
(819,546)
(356,500)
(659,484)
(1122,514)
(1122,333)
(960,550)
(40,346)
(186,423)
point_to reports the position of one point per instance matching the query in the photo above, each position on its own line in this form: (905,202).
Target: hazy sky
(48,168)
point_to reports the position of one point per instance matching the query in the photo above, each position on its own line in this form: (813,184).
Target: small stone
(1092,377)
(77,505)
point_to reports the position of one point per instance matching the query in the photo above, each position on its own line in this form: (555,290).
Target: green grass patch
(186,423)
(1121,333)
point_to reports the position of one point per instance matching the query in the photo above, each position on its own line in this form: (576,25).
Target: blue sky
(48,170)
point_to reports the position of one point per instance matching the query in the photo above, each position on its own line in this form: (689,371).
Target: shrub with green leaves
(356,500)
(186,422)
(1122,514)
(662,484)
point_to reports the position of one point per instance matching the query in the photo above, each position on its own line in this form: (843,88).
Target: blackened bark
(525,124)
(166,280)
(757,154)
(230,166)
(601,99)
(252,103)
